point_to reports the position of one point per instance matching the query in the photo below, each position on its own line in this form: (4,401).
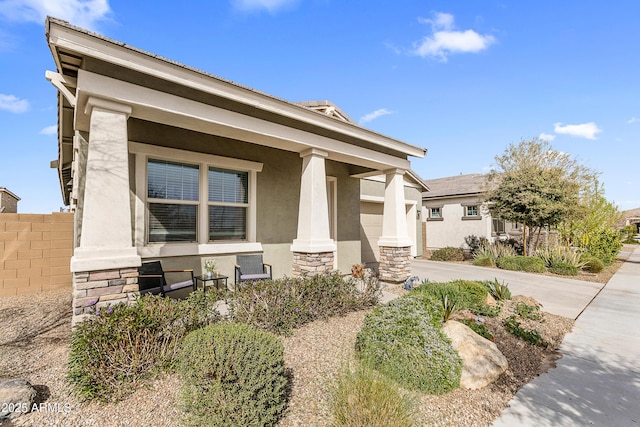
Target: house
(371,214)
(8,201)
(158,160)
(454,208)
(630,217)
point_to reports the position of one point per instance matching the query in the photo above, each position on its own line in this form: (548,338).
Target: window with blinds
(228,203)
(172,195)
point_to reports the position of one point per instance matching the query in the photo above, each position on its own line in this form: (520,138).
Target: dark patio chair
(251,267)
(152,279)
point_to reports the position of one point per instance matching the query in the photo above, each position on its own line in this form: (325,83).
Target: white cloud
(84,13)
(269,5)
(13,104)
(49,130)
(374,115)
(547,137)
(446,40)
(585,130)
(633,120)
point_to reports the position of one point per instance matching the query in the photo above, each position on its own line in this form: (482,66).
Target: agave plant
(499,291)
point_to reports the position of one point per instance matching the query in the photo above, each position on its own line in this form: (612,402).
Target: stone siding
(99,289)
(395,264)
(312,263)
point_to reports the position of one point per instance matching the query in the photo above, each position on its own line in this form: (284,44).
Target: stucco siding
(452,229)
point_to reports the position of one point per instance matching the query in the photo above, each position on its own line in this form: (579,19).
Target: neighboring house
(630,217)
(454,208)
(161,161)
(371,214)
(8,201)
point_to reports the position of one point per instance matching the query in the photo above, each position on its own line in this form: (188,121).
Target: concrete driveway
(565,297)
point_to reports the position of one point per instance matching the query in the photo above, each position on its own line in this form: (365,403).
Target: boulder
(16,398)
(482,362)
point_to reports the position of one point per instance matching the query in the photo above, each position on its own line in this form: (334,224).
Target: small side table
(216,278)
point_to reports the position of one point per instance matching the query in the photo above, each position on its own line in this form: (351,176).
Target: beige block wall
(35,251)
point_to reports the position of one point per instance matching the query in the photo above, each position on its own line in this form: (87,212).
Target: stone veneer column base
(395,263)
(102,288)
(312,263)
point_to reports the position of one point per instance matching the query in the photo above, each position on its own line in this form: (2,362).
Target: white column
(106,238)
(394,215)
(313,211)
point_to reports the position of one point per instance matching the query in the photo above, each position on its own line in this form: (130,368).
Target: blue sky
(460,78)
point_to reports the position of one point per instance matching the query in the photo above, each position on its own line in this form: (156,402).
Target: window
(471,210)
(228,204)
(172,194)
(498,226)
(435,213)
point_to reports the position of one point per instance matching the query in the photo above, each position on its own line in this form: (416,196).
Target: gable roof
(455,186)
(328,108)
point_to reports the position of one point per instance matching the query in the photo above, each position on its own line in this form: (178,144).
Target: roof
(453,186)
(5,190)
(328,108)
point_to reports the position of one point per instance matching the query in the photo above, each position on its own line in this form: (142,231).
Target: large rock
(482,362)
(16,398)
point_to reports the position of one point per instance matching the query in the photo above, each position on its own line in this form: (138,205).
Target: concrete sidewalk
(564,297)
(597,381)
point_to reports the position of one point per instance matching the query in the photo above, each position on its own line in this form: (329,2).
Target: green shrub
(604,244)
(122,345)
(592,264)
(478,328)
(530,312)
(362,397)
(448,254)
(399,339)
(468,294)
(481,259)
(521,263)
(233,375)
(282,305)
(512,325)
(563,269)
(475,243)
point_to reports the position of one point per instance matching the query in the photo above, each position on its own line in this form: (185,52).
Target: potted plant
(210,267)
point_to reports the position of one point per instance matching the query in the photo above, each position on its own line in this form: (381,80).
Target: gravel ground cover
(34,331)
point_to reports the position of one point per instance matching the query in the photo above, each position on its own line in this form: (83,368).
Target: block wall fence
(35,252)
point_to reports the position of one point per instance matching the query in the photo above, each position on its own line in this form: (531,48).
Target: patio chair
(251,267)
(152,279)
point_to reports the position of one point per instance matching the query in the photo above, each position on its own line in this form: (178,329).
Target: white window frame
(203,246)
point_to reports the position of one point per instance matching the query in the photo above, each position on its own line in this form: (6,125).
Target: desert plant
(513,326)
(121,345)
(521,263)
(448,254)
(233,375)
(529,312)
(475,243)
(592,264)
(556,255)
(468,294)
(401,340)
(363,397)
(282,305)
(499,291)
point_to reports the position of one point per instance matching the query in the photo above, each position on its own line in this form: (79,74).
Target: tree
(536,186)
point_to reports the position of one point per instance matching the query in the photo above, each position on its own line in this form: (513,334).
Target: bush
(499,291)
(521,263)
(512,325)
(362,397)
(592,264)
(282,305)
(475,243)
(604,244)
(233,375)
(563,269)
(122,345)
(399,339)
(456,295)
(448,254)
